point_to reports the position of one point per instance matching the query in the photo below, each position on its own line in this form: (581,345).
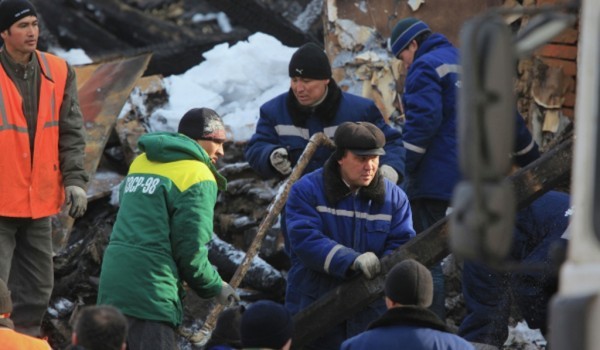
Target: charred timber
(261,276)
(252,14)
(72,28)
(429,247)
(131,25)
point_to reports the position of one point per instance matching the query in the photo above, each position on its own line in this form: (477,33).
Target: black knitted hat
(310,61)
(360,138)
(13,10)
(202,124)
(409,283)
(5,301)
(266,324)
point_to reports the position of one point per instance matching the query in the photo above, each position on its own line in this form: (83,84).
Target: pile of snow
(233,80)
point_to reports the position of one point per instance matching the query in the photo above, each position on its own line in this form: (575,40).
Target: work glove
(279,160)
(368,264)
(389,173)
(227,296)
(77,199)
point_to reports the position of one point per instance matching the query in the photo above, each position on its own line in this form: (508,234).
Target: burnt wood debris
(163,37)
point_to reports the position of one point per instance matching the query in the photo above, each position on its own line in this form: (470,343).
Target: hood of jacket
(325,110)
(165,147)
(434,41)
(336,188)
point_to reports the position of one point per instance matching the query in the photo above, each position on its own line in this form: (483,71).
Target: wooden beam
(252,14)
(429,247)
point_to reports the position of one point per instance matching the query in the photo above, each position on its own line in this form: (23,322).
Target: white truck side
(575,311)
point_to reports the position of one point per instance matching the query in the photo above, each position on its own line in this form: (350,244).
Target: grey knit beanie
(409,283)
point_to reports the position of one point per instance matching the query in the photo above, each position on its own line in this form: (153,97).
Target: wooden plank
(102,95)
(429,247)
(253,15)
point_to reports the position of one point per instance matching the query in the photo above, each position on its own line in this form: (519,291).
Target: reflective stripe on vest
(32,188)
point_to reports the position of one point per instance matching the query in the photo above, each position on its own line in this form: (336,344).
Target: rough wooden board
(103,90)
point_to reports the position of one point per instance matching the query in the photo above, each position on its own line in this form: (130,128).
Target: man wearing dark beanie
(164,222)
(314,103)
(408,293)
(42,162)
(267,325)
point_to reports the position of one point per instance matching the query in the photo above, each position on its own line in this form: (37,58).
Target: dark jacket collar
(410,316)
(336,189)
(325,111)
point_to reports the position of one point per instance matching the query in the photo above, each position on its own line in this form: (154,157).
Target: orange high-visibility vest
(31,189)
(12,340)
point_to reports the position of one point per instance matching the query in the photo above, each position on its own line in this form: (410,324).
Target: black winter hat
(310,61)
(266,324)
(13,10)
(202,124)
(360,138)
(5,301)
(409,283)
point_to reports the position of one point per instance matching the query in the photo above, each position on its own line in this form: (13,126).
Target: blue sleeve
(307,240)
(526,150)
(423,105)
(264,141)
(401,230)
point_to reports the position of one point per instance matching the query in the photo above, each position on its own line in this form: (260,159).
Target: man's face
(407,55)
(358,171)
(21,38)
(308,91)
(214,148)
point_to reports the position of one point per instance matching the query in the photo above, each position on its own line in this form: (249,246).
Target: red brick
(551,2)
(569,67)
(567,52)
(569,112)
(569,100)
(569,36)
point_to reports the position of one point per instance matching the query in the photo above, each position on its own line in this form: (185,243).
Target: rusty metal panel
(356,34)
(103,88)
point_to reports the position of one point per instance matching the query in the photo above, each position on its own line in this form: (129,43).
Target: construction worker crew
(314,103)
(341,220)
(9,339)
(164,222)
(408,293)
(41,167)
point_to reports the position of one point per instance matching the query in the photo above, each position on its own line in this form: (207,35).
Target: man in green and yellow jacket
(163,225)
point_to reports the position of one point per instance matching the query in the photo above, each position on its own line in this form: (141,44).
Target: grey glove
(389,173)
(368,264)
(280,161)
(227,296)
(77,199)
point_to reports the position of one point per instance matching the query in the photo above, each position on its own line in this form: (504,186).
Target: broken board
(103,88)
